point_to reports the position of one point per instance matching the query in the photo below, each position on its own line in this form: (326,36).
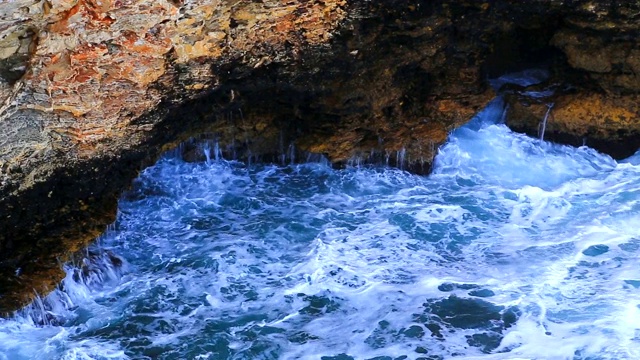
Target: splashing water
(512,249)
(543,124)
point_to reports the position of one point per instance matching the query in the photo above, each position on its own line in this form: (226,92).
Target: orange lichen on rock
(589,114)
(240,28)
(609,123)
(97,59)
(595,113)
(95,53)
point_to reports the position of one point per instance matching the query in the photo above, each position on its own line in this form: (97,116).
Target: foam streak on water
(513,249)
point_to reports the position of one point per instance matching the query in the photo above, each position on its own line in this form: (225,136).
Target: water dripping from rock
(512,248)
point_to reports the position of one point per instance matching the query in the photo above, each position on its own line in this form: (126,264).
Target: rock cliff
(92,91)
(594,99)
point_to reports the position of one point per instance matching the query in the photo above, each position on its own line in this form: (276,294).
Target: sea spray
(512,248)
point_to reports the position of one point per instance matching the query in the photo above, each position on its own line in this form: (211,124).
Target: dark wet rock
(338,357)
(631,246)
(485,341)
(483,293)
(634,283)
(436,330)
(302,337)
(319,305)
(465,313)
(414,331)
(448,315)
(595,250)
(446,287)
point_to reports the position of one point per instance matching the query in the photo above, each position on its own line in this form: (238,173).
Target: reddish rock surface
(86,90)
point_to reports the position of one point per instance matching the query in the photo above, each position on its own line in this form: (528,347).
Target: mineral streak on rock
(91,91)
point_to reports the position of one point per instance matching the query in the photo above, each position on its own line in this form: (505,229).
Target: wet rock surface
(91,92)
(607,123)
(94,267)
(594,99)
(482,322)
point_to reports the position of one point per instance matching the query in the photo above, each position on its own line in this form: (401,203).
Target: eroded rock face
(610,124)
(87,89)
(92,91)
(596,101)
(85,86)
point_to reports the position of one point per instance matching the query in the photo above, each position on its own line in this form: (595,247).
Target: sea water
(513,248)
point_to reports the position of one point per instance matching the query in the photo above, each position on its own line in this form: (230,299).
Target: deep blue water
(513,248)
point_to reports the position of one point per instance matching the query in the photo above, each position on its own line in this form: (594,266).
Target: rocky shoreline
(92,92)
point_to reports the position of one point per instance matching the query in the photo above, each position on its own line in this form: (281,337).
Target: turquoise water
(512,249)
